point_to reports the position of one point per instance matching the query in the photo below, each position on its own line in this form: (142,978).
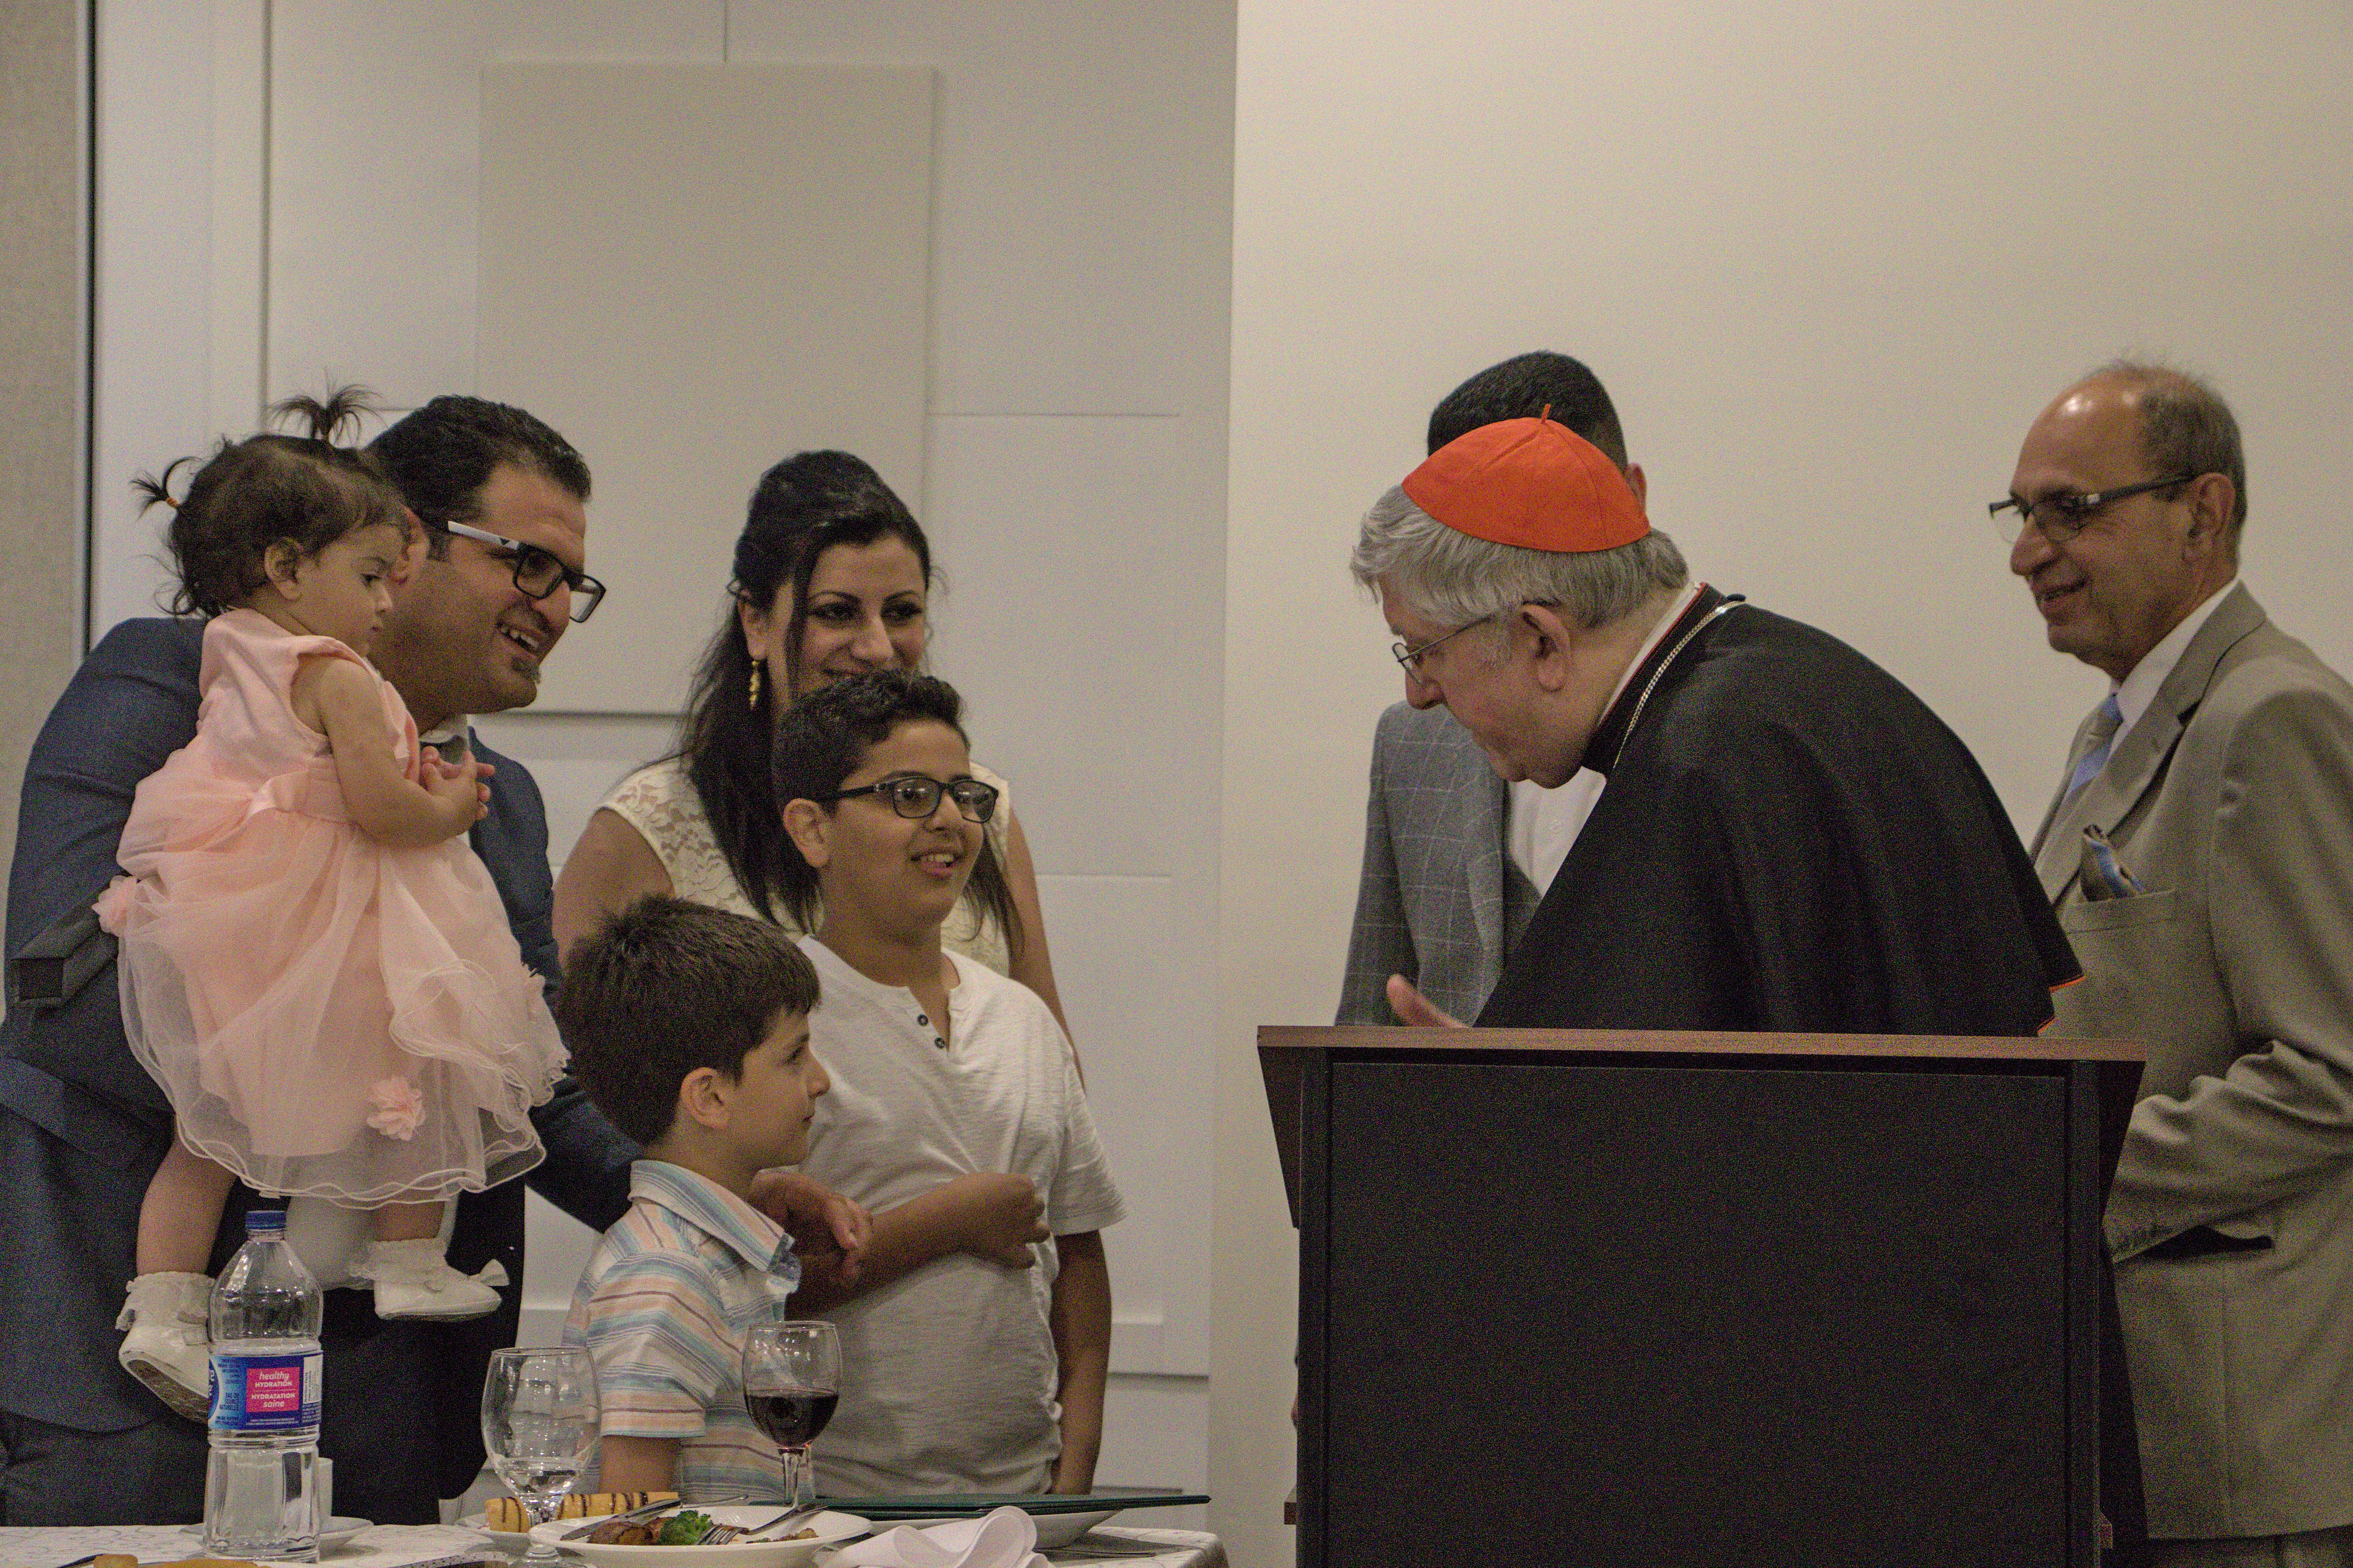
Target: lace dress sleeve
(660,803)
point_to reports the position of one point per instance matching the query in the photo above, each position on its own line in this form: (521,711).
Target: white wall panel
(741,271)
(1142,1038)
(1086,688)
(556,1249)
(374,131)
(1151,1438)
(1083,189)
(674,30)
(240,211)
(375,125)
(151,296)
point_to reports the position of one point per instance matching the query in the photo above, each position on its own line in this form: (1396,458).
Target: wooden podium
(1675,1300)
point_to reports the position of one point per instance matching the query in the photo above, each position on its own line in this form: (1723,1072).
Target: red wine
(792,1418)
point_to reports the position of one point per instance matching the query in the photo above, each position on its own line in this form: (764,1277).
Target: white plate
(829,1527)
(1055,1531)
(338,1531)
(513,1540)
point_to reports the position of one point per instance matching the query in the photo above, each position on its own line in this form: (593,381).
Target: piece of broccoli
(683,1528)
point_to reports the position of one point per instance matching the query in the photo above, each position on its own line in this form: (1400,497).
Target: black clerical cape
(1789,841)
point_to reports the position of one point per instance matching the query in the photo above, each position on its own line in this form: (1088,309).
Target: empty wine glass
(792,1377)
(539,1422)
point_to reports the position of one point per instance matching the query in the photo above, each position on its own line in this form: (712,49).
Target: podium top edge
(1652,1042)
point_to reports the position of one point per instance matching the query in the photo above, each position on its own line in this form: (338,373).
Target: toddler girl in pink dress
(314,964)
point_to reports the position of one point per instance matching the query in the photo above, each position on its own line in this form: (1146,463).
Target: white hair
(1453,579)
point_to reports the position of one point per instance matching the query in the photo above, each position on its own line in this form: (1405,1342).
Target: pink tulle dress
(331,1016)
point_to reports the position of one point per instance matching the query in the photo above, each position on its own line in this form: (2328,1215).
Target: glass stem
(542,1509)
(800,1477)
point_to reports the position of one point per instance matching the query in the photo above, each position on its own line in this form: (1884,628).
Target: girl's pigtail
(152,488)
(343,405)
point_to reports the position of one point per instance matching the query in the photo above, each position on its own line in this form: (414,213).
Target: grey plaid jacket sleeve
(1429,898)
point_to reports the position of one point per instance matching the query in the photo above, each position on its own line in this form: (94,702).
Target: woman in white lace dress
(833,577)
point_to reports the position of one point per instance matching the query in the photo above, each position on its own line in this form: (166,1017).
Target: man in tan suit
(2200,857)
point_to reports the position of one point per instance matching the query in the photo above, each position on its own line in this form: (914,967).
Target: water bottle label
(266,1392)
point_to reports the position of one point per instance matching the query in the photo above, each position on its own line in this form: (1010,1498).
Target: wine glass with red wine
(792,1378)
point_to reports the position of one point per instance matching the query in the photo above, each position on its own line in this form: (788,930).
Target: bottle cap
(260,1220)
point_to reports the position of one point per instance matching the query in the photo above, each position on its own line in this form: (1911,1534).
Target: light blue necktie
(2103,738)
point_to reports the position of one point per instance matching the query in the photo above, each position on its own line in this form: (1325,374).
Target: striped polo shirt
(664,1306)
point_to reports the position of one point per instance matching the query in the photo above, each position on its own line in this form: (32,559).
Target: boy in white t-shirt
(977,1339)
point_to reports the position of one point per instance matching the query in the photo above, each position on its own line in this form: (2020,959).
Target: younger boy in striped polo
(689,1027)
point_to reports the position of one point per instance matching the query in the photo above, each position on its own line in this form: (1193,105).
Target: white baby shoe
(414,1280)
(169,1347)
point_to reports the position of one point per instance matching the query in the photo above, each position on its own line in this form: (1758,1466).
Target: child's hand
(461,788)
(829,1232)
(1003,1216)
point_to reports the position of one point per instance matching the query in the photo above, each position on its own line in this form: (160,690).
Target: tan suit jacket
(2222,939)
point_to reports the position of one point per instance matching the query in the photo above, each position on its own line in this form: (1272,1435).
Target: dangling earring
(752,698)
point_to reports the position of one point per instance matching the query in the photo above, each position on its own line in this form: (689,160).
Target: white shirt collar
(2139,689)
(1659,630)
(463,725)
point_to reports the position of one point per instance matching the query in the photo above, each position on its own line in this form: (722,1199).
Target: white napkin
(1004,1538)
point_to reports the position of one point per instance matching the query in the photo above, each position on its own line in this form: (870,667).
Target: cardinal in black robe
(1789,841)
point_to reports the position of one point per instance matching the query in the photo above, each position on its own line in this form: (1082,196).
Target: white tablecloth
(386,1546)
(408,1546)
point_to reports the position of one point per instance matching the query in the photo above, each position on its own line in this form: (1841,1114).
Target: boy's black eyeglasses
(913,795)
(537,572)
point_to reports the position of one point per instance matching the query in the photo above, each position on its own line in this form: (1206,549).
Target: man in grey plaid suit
(1453,856)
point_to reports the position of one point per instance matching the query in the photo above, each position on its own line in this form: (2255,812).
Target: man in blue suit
(82,1126)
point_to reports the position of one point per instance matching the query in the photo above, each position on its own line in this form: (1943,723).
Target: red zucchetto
(1529,482)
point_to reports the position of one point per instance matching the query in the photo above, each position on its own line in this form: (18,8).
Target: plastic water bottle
(262,1477)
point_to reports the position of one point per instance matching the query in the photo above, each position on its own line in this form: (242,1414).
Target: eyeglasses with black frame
(1410,658)
(537,574)
(2063,516)
(918,796)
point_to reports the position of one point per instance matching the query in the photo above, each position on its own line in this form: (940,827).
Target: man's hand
(1001,1215)
(829,1232)
(1412,1007)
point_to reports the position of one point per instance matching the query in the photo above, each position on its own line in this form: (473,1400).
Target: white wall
(44,190)
(1832,260)
(288,189)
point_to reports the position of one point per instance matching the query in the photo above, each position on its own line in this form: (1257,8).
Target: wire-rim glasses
(538,573)
(918,796)
(1410,658)
(2063,516)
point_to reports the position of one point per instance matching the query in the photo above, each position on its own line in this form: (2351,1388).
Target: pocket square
(2105,876)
